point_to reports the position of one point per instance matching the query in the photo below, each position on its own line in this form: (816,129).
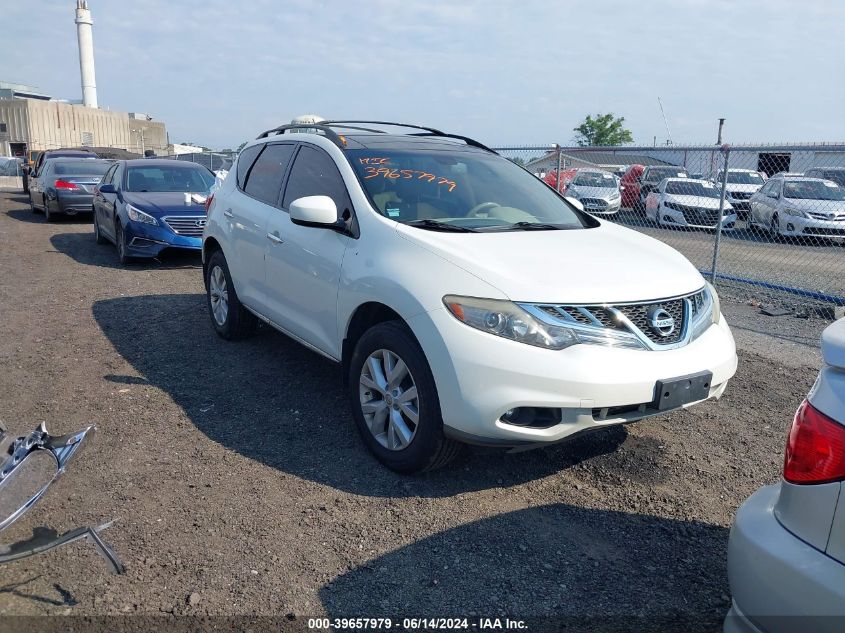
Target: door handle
(228,213)
(274,238)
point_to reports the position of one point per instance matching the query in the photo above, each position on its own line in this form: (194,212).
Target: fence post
(727,150)
(557,177)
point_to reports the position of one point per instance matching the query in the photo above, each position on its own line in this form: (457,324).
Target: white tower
(86,53)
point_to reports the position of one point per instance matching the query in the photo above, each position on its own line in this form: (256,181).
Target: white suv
(466,299)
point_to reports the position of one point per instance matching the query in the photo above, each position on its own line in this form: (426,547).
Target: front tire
(774,228)
(120,243)
(98,236)
(231,320)
(48,217)
(394,401)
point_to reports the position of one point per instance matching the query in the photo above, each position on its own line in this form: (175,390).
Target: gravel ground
(239,486)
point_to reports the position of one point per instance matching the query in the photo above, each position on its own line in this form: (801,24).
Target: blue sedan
(148,205)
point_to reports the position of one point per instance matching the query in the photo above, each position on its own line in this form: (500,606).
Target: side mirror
(315,211)
(575,202)
(107,188)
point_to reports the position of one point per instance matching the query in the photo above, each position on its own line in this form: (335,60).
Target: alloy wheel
(219,294)
(389,399)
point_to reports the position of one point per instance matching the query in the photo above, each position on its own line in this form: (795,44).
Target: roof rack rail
(415,127)
(303,126)
(466,139)
(426,131)
(326,128)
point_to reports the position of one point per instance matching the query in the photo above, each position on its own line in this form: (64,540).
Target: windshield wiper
(529,226)
(436,225)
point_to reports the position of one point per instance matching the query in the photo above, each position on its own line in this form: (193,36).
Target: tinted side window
(265,177)
(245,161)
(315,174)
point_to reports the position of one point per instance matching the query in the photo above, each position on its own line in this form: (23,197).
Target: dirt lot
(239,485)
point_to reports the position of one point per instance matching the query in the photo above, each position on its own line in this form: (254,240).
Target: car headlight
(796,212)
(508,320)
(136,215)
(717,306)
(614,195)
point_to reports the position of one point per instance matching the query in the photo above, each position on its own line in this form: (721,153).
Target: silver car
(793,206)
(786,553)
(598,191)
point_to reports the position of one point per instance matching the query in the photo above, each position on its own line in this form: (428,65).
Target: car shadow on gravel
(82,248)
(579,568)
(271,400)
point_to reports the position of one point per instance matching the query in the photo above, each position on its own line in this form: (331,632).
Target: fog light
(535,417)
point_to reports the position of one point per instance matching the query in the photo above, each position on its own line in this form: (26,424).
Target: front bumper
(480,376)
(779,582)
(694,221)
(610,208)
(793,225)
(147,240)
(743,204)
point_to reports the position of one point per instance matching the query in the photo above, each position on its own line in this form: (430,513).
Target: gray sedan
(597,190)
(66,186)
(786,553)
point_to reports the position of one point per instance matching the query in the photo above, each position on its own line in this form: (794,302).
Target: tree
(241,146)
(517,160)
(604,129)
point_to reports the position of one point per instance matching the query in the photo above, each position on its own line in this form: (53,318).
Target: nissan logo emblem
(661,322)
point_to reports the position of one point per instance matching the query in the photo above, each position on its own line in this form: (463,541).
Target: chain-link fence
(765,223)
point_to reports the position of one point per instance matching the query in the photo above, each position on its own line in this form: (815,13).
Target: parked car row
(143,206)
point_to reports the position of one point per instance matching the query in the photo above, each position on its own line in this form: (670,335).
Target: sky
(507,73)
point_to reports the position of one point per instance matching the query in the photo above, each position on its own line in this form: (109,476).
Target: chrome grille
(639,316)
(819,215)
(634,319)
(187,225)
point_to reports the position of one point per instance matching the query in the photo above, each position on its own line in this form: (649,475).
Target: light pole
(140,133)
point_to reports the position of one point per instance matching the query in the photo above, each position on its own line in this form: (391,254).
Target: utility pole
(719,137)
(140,133)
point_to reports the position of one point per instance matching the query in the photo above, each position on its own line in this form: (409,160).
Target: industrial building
(32,120)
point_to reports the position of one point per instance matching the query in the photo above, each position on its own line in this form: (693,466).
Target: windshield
(743,178)
(656,175)
(82,168)
(158,178)
(813,190)
(692,188)
(836,176)
(594,179)
(471,190)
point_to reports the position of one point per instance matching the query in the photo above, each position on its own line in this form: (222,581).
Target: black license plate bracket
(676,392)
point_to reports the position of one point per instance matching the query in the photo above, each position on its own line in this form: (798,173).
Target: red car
(630,186)
(566,177)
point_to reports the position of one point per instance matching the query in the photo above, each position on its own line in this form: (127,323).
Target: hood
(163,203)
(604,193)
(700,202)
(606,264)
(818,206)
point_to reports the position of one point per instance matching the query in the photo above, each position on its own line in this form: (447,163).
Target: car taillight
(208,203)
(815,449)
(64,184)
